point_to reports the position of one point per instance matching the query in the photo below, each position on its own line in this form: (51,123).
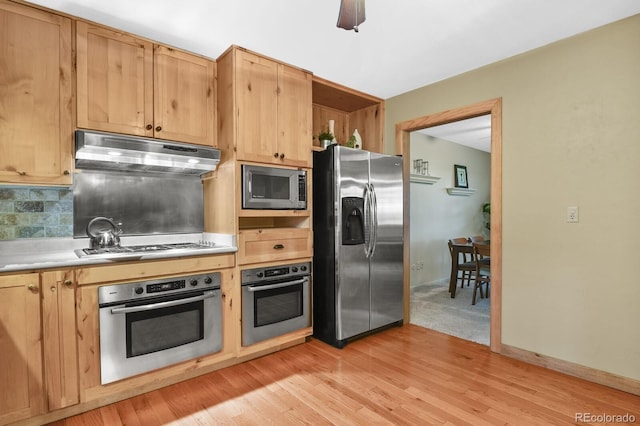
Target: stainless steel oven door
(141,336)
(274,308)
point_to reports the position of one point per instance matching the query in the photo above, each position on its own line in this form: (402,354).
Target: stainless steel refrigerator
(358,241)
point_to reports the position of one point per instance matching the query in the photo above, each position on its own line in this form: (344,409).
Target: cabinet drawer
(263,245)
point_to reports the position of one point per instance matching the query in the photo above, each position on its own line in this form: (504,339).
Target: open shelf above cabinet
(350,110)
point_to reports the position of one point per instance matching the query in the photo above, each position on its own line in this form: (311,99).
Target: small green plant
(325,136)
(351,142)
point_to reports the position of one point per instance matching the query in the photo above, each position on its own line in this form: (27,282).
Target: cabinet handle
(282,156)
(278,246)
(67,283)
(149,127)
(275,155)
(25,173)
(53,288)
(33,288)
(66,173)
(158,128)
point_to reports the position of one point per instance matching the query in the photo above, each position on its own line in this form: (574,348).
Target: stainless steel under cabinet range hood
(109,151)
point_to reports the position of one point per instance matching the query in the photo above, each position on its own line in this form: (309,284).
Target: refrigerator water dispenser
(352,221)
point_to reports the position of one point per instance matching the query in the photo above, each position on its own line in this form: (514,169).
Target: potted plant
(325,138)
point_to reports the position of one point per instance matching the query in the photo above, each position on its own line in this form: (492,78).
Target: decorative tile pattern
(35,212)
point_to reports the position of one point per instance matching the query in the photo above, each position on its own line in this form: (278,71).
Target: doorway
(403,131)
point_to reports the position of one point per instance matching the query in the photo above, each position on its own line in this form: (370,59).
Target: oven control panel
(275,272)
(136,290)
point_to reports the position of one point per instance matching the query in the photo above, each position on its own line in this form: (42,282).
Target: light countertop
(45,253)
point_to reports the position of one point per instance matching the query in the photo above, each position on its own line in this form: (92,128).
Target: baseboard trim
(591,374)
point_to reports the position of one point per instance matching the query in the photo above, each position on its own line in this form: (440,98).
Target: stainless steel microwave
(273,188)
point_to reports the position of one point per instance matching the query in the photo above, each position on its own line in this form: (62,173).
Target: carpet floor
(432,307)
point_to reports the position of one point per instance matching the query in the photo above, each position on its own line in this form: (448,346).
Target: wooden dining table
(457,250)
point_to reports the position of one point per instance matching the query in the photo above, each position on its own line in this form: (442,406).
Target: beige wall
(571,136)
(437,216)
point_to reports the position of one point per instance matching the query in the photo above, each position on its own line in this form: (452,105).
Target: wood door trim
(402,139)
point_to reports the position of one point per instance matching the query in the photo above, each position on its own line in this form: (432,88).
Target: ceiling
(473,132)
(401,46)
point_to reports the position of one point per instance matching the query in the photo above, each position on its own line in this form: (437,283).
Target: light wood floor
(406,375)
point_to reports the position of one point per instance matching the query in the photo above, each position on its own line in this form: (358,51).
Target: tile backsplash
(35,212)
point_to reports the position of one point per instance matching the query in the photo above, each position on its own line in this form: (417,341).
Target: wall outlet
(572,214)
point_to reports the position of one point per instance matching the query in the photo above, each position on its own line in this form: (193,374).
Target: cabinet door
(114,81)
(257,108)
(20,348)
(294,116)
(184,100)
(59,334)
(36,128)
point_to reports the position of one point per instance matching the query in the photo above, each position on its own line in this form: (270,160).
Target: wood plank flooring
(402,376)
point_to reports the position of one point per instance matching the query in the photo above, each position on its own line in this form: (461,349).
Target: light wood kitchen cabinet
(36,127)
(268,245)
(59,339)
(21,393)
(126,84)
(272,110)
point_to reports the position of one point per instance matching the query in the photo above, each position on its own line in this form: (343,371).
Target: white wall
(571,137)
(437,216)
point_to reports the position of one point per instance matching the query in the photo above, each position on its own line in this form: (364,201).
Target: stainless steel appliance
(358,243)
(148,186)
(111,151)
(275,301)
(137,251)
(152,324)
(273,188)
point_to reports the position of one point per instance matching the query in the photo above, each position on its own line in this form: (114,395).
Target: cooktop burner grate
(148,248)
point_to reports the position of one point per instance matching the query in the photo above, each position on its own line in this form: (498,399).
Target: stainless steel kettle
(103,233)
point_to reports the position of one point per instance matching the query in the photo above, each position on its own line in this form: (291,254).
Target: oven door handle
(272,286)
(158,305)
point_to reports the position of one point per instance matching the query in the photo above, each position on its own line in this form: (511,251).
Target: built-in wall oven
(152,324)
(275,301)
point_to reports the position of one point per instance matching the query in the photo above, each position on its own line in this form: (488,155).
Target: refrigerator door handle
(367,220)
(374,219)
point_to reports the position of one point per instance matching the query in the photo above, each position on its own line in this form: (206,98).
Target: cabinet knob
(278,246)
(25,173)
(149,127)
(33,288)
(275,155)
(66,173)
(67,283)
(158,128)
(282,156)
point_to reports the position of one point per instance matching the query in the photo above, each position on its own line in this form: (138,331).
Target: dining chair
(476,239)
(482,253)
(462,261)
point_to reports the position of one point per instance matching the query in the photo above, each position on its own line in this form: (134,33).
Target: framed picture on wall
(460,173)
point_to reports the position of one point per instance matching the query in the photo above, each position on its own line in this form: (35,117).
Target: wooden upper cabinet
(21,393)
(114,81)
(36,127)
(274,114)
(129,85)
(184,107)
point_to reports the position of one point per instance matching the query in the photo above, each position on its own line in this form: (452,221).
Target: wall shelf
(429,180)
(460,191)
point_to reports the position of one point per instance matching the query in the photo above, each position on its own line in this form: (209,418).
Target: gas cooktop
(142,249)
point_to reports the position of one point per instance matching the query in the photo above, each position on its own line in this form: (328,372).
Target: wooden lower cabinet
(265,245)
(59,339)
(21,389)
